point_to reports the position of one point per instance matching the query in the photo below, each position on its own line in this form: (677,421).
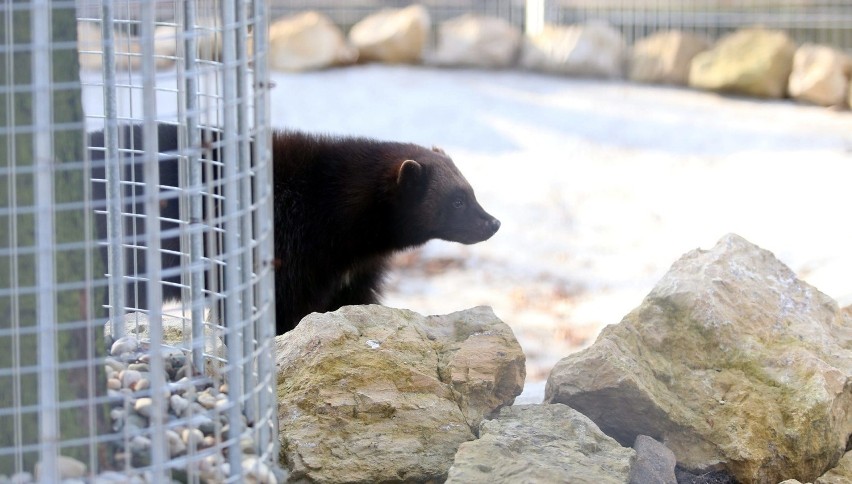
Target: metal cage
(136,307)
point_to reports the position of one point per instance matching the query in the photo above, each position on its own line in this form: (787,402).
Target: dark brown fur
(343,206)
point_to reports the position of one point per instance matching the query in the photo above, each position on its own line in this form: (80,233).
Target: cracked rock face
(370,394)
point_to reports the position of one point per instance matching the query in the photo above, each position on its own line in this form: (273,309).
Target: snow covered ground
(600,186)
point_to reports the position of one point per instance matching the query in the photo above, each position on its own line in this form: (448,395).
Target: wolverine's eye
(458,203)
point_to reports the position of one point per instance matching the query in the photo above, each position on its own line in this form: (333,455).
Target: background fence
(98,377)
(823,21)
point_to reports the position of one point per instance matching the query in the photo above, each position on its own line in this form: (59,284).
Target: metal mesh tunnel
(136,311)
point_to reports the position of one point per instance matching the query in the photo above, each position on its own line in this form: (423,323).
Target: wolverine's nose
(494,225)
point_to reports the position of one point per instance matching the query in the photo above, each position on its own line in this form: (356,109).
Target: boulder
(306,41)
(476,41)
(541,443)
(840,474)
(820,75)
(654,462)
(395,36)
(731,361)
(754,62)
(594,49)
(665,57)
(373,394)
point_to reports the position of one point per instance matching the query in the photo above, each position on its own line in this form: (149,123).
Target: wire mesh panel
(135,261)
(821,21)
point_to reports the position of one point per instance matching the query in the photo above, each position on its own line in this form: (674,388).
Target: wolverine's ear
(409,172)
(438,149)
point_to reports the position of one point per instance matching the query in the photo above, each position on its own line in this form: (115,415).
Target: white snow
(600,186)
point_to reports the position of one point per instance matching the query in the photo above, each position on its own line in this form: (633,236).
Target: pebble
(68,467)
(255,470)
(138,367)
(142,384)
(143,406)
(129,378)
(192,437)
(114,384)
(207,400)
(188,396)
(125,344)
(21,478)
(178,404)
(176,444)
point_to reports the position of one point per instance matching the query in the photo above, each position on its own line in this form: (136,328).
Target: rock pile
(731,361)
(753,61)
(731,370)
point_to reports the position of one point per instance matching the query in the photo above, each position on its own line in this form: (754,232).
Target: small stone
(138,367)
(654,462)
(247,445)
(21,478)
(142,384)
(178,404)
(140,451)
(208,441)
(129,378)
(114,364)
(181,386)
(69,468)
(114,384)
(203,423)
(222,404)
(125,344)
(143,406)
(192,437)
(176,444)
(135,422)
(223,388)
(207,400)
(109,477)
(255,470)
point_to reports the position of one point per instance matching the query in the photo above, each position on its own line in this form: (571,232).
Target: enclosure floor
(600,187)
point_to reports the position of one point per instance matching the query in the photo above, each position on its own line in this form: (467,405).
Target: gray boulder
(541,443)
(654,462)
(731,361)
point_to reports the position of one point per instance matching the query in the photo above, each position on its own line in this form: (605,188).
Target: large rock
(477,41)
(755,62)
(731,361)
(306,41)
(840,474)
(594,49)
(541,443)
(372,394)
(395,36)
(820,75)
(665,57)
